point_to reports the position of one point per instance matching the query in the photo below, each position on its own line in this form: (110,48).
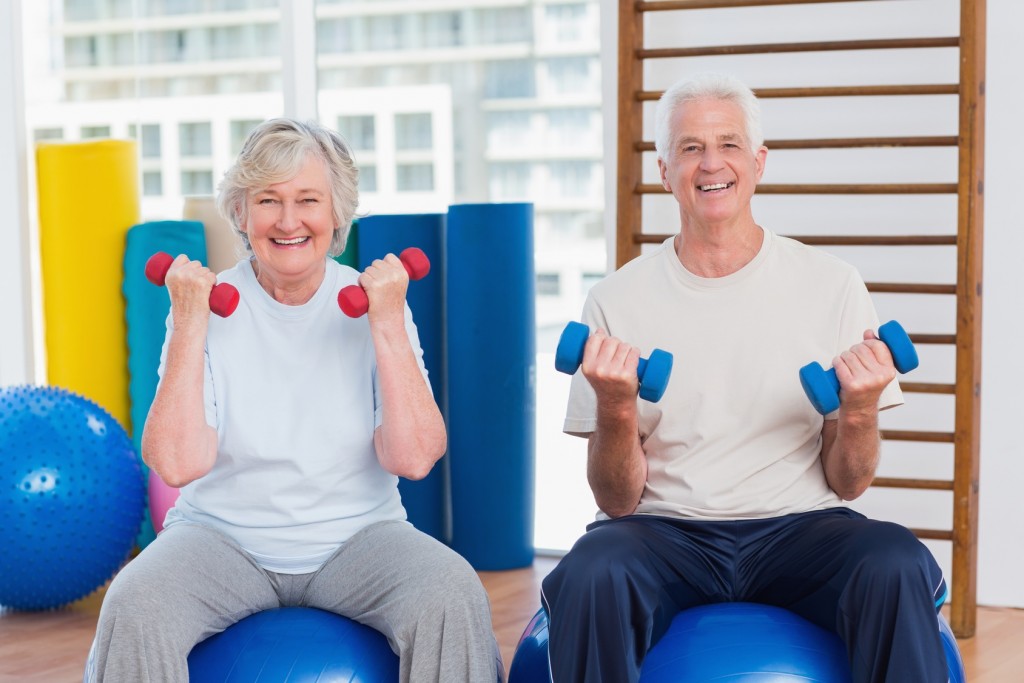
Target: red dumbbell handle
(352,299)
(223,297)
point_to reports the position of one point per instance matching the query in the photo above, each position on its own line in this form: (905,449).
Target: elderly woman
(286,426)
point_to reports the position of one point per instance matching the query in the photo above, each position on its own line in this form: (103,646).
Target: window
(358,131)
(511,78)
(152,184)
(573,128)
(368,178)
(80,51)
(151,145)
(335,36)
(240,132)
(89,132)
(415,177)
(565,23)
(194,140)
(570,75)
(413,131)
(508,129)
(196,182)
(442,29)
(504,25)
(48,134)
(510,181)
(572,178)
(549,284)
(386,32)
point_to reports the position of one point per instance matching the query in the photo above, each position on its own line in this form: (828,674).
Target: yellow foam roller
(88,199)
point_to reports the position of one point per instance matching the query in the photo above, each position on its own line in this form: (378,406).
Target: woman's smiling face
(289,226)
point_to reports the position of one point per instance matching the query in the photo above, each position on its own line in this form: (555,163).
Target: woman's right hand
(189,284)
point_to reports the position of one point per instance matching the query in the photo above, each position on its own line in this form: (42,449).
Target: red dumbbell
(223,297)
(352,299)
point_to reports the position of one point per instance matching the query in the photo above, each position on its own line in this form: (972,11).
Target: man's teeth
(716,186)
(294,240)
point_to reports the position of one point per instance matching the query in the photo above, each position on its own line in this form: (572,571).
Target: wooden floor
(51,647)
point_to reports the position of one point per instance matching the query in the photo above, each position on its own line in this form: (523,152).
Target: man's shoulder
(795,253)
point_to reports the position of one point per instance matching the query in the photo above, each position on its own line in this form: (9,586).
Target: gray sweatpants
(193,582)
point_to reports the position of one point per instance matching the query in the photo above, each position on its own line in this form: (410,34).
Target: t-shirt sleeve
(859,315)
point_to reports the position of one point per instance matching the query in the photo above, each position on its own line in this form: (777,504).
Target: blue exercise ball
(729,642)
(293,644)
(72,497)
(740,641)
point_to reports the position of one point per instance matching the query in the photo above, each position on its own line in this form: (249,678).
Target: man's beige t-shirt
(734,436)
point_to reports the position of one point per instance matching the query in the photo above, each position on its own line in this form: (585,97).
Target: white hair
(702,87)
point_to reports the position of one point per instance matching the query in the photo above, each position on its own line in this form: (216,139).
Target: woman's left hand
(385,282)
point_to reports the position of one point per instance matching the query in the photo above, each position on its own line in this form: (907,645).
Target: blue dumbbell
(652,372)
(822,386)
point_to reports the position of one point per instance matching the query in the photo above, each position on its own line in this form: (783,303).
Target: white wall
(1001,555)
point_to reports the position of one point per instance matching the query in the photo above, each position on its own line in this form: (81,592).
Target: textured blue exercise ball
(292,645)
(71,497)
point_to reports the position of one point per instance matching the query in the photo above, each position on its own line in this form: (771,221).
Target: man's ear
(760,157)
(663,171)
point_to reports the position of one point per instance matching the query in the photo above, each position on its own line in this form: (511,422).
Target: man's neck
(718,250)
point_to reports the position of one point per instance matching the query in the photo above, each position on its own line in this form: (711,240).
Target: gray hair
(275,152)
(701,87)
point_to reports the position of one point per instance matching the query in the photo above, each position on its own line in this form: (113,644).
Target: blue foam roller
(491,341)
(426,501)
(294,645)
(729,643)
(146,309)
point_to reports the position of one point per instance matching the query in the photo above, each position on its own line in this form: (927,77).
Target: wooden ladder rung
(834,240)
(668,5)
(909,288)
(832,188)
(779,48)
(921,484)
(926,437)
(927,388)
(875,240)
(844,143)
(933,534)
(838,91)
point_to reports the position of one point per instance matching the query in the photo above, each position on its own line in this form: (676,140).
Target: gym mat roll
(88,199)
(146,309)
(491,342)
(426,501)
(223,247)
